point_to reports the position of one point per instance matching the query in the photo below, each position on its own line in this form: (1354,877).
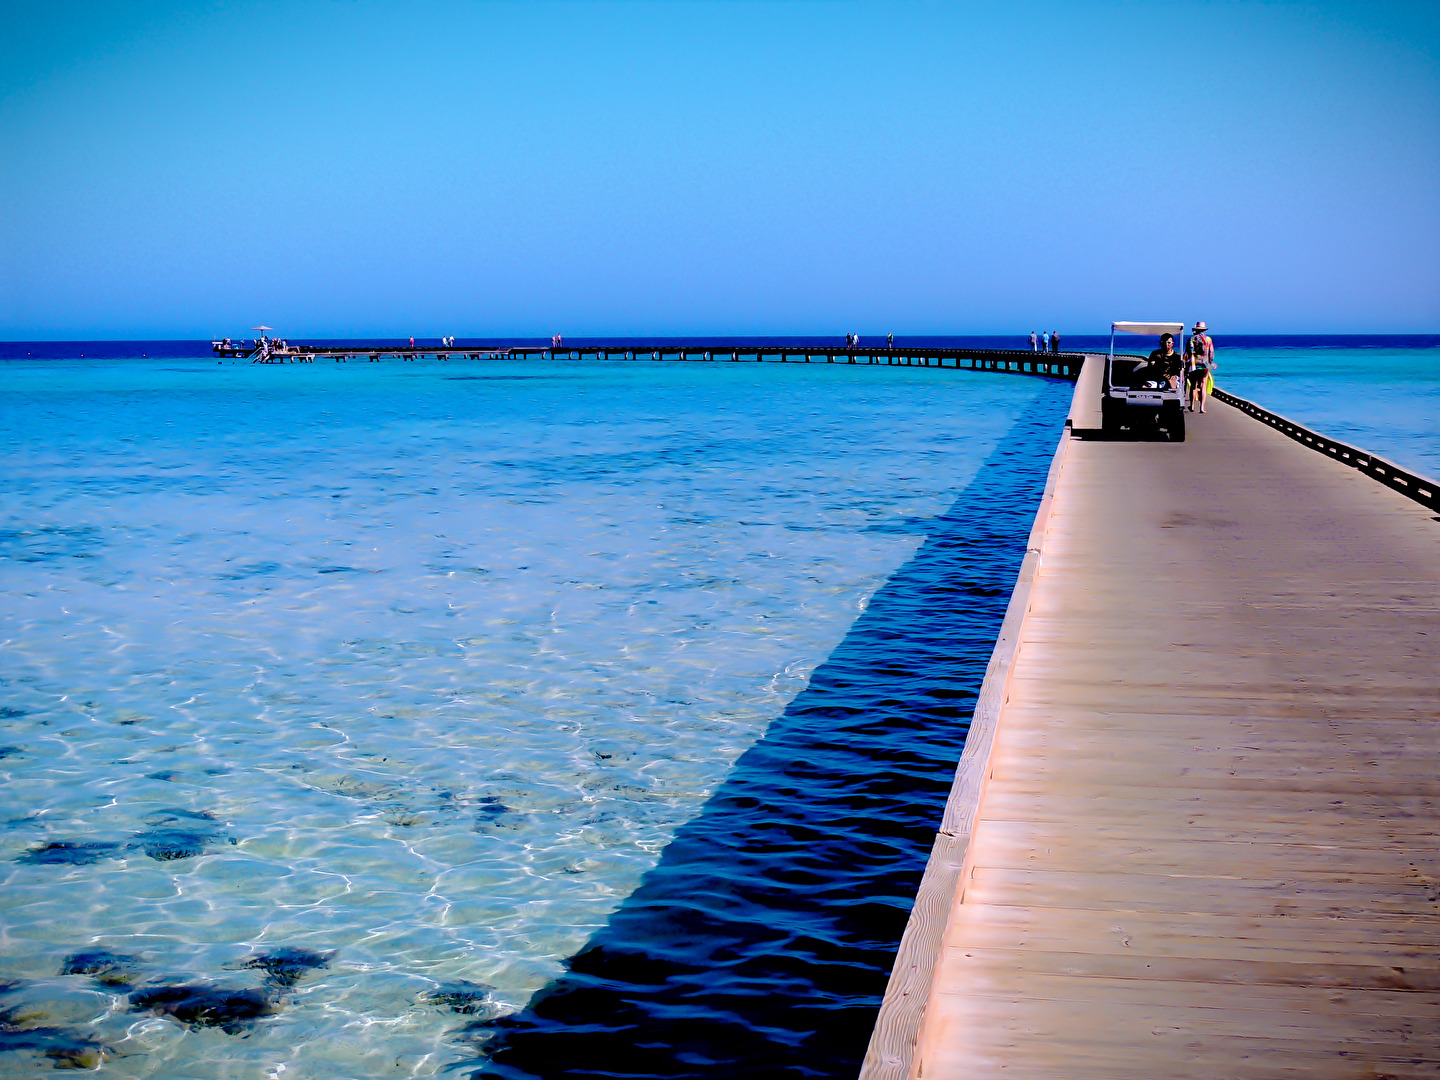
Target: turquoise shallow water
(366,693)
(1386,400)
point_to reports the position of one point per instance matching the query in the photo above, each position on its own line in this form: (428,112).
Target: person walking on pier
(890,341)
(1200,363)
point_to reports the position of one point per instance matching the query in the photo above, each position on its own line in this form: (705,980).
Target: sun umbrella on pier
(262,328)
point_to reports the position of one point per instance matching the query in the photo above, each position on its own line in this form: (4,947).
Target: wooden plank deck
(1206,843)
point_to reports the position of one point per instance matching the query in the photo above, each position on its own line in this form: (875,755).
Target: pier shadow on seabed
(760,944)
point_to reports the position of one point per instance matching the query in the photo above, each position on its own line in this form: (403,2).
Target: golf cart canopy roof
(1146,327)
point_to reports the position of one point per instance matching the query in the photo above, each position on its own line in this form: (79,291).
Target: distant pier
(1059,365)
(1195,830)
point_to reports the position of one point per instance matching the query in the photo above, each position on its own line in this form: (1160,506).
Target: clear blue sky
(358,167)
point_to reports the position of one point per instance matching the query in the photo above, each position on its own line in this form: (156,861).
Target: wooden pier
(1060,365)
(1194,830)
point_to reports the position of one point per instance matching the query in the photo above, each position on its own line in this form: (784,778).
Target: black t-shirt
(1169,365)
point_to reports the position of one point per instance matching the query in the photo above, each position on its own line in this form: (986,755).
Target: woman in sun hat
(1199,364)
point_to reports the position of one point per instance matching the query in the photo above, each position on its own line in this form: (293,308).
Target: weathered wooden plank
(1367,935)
(1020,846)
(1407,970)
(1240,894)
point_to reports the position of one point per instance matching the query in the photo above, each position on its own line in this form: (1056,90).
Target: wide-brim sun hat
(1201,325)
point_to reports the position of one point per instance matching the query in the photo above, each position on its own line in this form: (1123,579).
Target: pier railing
(1015,361)
(1422,489)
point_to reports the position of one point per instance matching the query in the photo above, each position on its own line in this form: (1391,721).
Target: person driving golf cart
(1162,369)
(1142,395)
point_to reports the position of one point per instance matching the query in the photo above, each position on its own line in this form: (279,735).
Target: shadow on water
(760,943)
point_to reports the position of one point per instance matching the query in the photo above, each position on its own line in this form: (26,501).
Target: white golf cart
(1151,406)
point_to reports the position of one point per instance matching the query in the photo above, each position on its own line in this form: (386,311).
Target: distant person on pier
(1054,341)
(412,341)
(890,341)
(1200,364)
(1034,347)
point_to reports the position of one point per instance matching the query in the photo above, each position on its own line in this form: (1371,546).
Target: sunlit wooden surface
(1208,843)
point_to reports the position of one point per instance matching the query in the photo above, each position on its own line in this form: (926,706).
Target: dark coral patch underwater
(461,996)
(102,965)
(180,834)
(201,1005)
(64,1047)
(286,966)
(70,853)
